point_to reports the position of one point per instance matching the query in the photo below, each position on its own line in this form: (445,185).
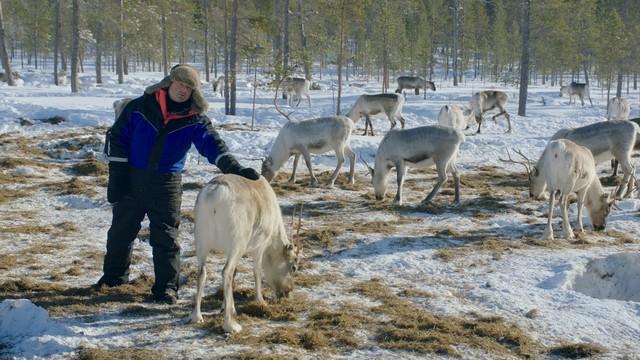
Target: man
(147,147)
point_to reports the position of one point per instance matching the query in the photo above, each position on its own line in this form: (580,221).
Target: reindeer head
(599,211)
(267,169)
(279,267)
(379,184)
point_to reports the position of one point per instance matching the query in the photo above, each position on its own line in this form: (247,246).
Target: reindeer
(239,216)
(419,147)
(574,88)
(119,105)
(607,140)
(218,86)
(487,100)
(456,116)
(618,109)
(367,105)
(414,82)
(636,147)
(315,136)
(565,168)
(298,87)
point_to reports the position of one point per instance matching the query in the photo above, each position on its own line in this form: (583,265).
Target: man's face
(179,91)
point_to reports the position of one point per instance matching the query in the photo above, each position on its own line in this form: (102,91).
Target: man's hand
(249,173)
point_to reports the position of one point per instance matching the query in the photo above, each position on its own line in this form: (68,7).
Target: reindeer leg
(196,315)
(548,233)
(628,170)
(307,160)
(401,120)
(442,177)
(340,156)
(456,180)
(230,324)
(292,179)
(479,121)
(309,99)
(614,166)
(401,171)
(566,225)
(366,124)
(257,275)
(581,197)
(392,119)
(352,163)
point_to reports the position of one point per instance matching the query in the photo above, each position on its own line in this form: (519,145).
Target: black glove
(118,181)
(249,173)
(229,165)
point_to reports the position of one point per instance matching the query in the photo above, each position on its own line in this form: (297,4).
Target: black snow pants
(159,197)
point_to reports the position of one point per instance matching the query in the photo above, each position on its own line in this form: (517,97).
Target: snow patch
(613,277)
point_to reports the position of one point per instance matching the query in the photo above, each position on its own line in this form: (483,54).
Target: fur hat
(188,75)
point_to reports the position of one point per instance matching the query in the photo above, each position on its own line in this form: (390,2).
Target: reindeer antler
(297,241)
(365,162)
(527,165)
(275,101)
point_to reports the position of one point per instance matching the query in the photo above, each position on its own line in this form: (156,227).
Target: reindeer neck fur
(280,151)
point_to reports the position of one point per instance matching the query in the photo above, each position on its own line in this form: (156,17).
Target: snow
(585,294)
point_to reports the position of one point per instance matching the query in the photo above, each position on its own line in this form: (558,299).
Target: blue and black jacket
(149,138)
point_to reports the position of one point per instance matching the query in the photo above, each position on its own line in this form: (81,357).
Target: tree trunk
(75,42)
(619,88)
(3,52)
(285,42)
(120,45)
(56,39)
(226,59)
(165,50)
(454,52)
(205,10)
(99,46)
(233,57)
(340,55)
(277,41)
(524,62)
(303,43)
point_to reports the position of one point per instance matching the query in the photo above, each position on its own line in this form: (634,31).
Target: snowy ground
(480,263)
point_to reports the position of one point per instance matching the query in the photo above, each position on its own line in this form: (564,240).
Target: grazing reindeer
(607,140)
(315,136)
(414,82)
(119,105)
(574,88)
(487,100)
(417,148)
(456,116)
(563,169)
(636,147)
(367,105)
(298,87)
(239,216)
(618,109)
(218,86)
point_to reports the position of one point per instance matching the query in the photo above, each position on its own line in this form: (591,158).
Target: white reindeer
(298,87)
(414,82)
(565,168)
(367,105)
(618,109)
(239,216)
(315,136)
(218,86)
(419,147)
(487,100)
(574,88)
(608,140)
(456,116)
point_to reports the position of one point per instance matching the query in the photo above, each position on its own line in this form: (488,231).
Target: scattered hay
(320,238)
(7,195)
(7,262)
(140,310)
(412,328)
(577,350)
(279,309)
(76,186)
(90,167)
(256,355)
(310,280)
(12,163)
(415,293)
(119,354)
(74,271)
(378,226)
(295,337)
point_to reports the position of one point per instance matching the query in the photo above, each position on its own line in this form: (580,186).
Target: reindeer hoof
(547,235)
(196,318)
(232,327)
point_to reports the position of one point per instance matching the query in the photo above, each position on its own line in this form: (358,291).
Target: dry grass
(256,355)
(119,354)
(412,328)
(7,262)
(12,163)
(60,300)
(7,195)
(305,280)
(577,350)
(90,167)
